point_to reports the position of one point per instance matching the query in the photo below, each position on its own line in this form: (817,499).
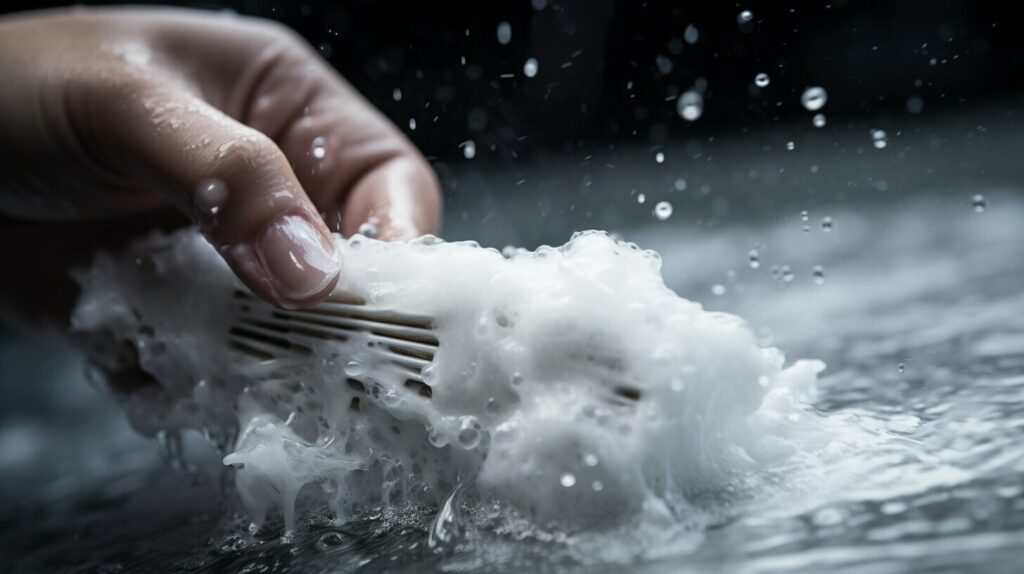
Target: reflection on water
(918,312)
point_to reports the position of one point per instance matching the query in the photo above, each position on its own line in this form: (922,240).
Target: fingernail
(296,259)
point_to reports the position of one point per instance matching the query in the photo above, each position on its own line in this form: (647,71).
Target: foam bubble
(571,385)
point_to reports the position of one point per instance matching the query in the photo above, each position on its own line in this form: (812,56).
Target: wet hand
(110,115)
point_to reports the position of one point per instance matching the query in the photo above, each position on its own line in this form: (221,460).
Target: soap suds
(571,386)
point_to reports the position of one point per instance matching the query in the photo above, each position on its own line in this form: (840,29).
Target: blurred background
(881,232)
(544,110)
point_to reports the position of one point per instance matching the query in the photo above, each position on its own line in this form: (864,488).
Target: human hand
(110,115)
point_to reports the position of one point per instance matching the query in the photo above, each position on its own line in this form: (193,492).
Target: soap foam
(571,387)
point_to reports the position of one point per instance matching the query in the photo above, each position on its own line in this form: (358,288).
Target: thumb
(235,183)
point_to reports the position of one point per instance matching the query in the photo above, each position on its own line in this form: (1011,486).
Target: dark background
(873,55)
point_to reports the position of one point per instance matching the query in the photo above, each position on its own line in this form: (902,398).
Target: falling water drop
(787,273)
(818,120)
(761,80)
(412,124)
(755,259)
(814,98)
(468,149)
(879,139)
(979,203)
(819,274)
(659,157)
(530,68)
(504,33)
(690,105)
(691,34)
(745,16)
(826,224)
(568,480)
(641,198)
(790,146)
(396,94)
(901,368)
(718,289)
(663,210)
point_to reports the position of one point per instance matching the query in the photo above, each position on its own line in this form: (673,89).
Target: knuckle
(245,154)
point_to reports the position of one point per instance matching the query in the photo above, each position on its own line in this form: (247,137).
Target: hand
(110,115)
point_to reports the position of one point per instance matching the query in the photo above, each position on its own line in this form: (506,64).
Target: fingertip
(294,262)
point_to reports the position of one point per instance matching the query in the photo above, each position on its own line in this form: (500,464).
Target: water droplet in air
(787,273)
(879,139)
(663,210)
(691,34)
(641,198)
(680,185)
(745,16)
(819,274)
(979,203)
(568,480)
(755,259)
(468,149)
(819,120)
(659,157)
(790,146)
(396,94)
(590,459)
(761,80)
(504,33)
(530,68)
(814,98)
(915,104)
(718,289)
(412,124)
(690,105)
(901,368)
(804,216)
(826,224)
(319,147)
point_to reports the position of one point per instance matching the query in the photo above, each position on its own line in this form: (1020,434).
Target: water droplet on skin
(718,289)
(814,98)
(755,259)
(504,33)
(745,16)
(211,194)
(826,224)
(879,139)
(761,80)
(396,94)
(641,198)
(319,148)
(663,210)
(659,157)
(691,34)
(818,120)
(370,228)
(819,274)
(790,146)
(568,480)
(690,105)
(468,149)
(979,203)
(590,459)
(530,68)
